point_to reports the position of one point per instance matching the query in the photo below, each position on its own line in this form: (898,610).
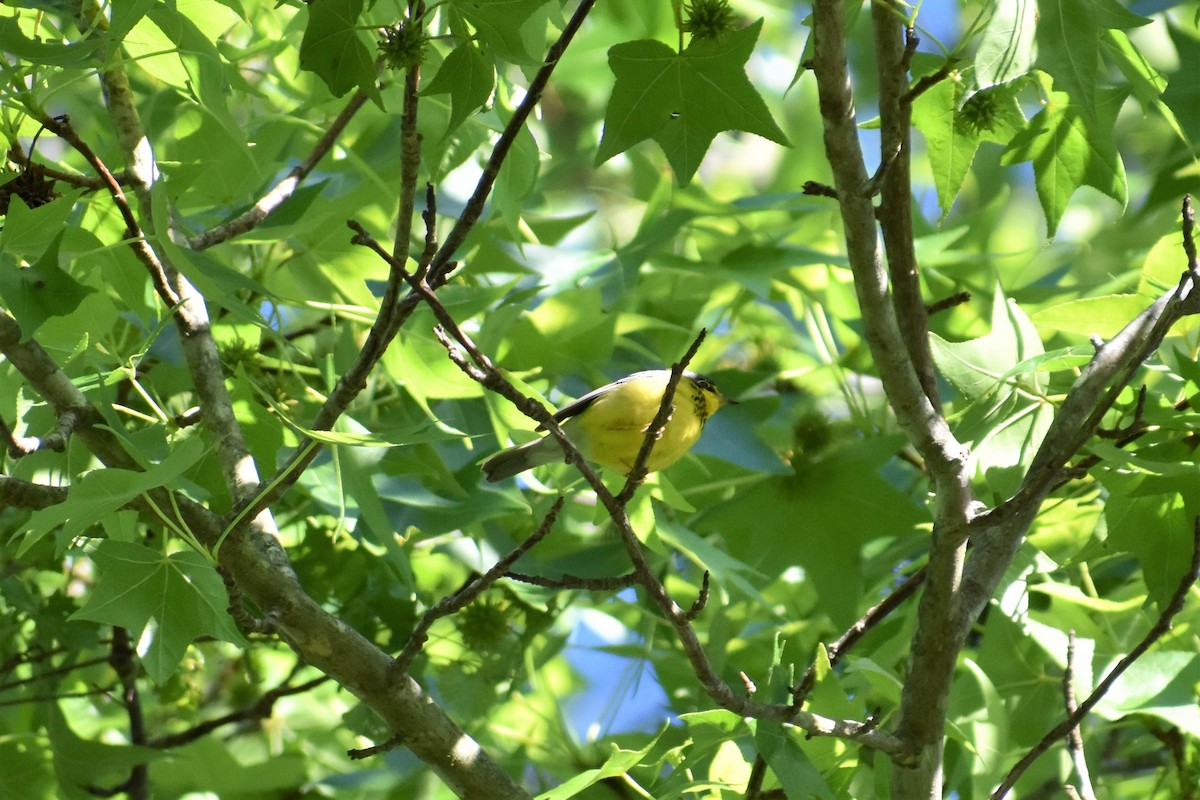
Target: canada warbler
(609,424)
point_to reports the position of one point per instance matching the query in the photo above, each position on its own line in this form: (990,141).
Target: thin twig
(374,750)
(260,709)
(1160,627)
(938,306)
(927,82)
(758,773)
(19,446)
(701,599)
(533,94)
(61,127)
(857,631)
(476,586)
(278,194)
(654,431)
(1074,739)
(1136,426)
(137,785)
(604,584)
(1189,228)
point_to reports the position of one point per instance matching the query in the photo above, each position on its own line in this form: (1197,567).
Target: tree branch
(1074,739)
(575,582)
(483,188)
(894,45)
(476,586)
(20,446)
(137,785)
(1160,627)
(135,239)
(260,709)
(933,654)
(998,533)
(842,645)
(278,194)
(16,493)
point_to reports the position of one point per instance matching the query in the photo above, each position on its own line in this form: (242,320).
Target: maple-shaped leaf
(683,100)
(1069,148)
(1068,39)
(334,49)
(181,593)
(43,290)
(953,130)
(468,78)
(506,26)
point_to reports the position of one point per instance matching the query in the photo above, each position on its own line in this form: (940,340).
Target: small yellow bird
(609,424)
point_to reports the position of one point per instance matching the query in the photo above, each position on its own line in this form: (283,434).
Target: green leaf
(1007,49)
(217,167)
(797,774)
(506,26)
(618,763)
(103,491)
(209,765)
(1068,37)
(1008,413)
(29,231)
(1070,148)
(806,514)
(567,332)
(218,282)
(517,178)
(951,144)
(1099,316)
(1162,268)
(954,130)
(16,44)
(683,100)
(180,593)
(209,75)
(79,763)
(1153,519)
(727,571)
(1159,684)
(977,367)
(1182,96)
(334,49)
(468,78)
(27,767)
(40,291)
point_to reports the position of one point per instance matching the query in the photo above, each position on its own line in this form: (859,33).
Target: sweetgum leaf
(181,593)
(1069,148)
(40,291)
(333,48)
(468,78)
(683,100)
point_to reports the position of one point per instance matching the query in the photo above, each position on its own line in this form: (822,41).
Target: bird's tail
(515,460)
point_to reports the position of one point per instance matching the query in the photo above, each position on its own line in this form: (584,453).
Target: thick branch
(933,654)
(998,533)
(917,416)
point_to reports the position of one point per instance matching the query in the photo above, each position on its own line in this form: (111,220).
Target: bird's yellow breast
(611,429)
